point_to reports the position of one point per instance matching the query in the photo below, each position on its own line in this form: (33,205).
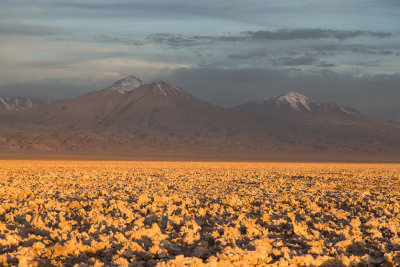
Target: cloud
(179,40)
(172,9)
(298,61)
(51,89)
(293,34)
(7,28)
(386,53)
(112,74)
(252,12)
(249,55)
(334,48)
(119,39)
(182,40)
(326,65)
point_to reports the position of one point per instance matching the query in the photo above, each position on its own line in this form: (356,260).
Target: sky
(224,51)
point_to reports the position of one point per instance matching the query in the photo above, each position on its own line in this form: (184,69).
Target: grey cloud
(386,53)
(369,63)
(332,49)
(298,61)
(286,34)
(120,39)
(29,29)
(251,11)
(71,59)
(249,55)
(326,65)
(141,8)
(294,69)
(179,40)
(159,9)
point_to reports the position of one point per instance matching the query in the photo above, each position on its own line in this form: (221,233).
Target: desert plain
(105,213)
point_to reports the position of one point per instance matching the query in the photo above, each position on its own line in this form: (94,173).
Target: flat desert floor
(67,213)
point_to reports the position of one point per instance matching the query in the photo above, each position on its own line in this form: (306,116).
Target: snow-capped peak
(126,84)
(296,100)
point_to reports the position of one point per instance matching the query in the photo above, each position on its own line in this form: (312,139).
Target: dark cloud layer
(325,65)
(249,55)
(178,40)
(288,61)
(182,40)
(287,34)
(335,48)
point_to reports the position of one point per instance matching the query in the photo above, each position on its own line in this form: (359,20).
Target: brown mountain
(161,118)
(295,107)
(158,112)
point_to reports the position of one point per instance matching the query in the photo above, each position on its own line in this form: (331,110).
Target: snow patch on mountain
(21,103)
(346,110)
(161,89)
(127,84)
(296,101)
(168,88)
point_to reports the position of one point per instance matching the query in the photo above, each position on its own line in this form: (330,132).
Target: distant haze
(226,52)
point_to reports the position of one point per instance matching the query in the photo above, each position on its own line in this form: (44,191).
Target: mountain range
(134,119)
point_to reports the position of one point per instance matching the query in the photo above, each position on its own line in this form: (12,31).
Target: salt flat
(67,213)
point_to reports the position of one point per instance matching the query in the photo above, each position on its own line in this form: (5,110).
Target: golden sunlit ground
(67,213)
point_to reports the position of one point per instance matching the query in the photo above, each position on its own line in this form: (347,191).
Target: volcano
(133,117)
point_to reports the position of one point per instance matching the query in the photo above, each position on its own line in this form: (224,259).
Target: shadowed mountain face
(132,116)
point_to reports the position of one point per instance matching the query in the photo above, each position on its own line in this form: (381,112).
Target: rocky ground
(65,213)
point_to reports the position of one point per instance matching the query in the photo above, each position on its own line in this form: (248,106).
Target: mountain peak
(126,84)
(293,105)
(296,100)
